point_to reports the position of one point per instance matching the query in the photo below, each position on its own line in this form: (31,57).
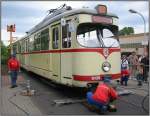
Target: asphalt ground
(47,92)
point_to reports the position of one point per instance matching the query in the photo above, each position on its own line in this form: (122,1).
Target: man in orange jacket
(13,66)
(103,95)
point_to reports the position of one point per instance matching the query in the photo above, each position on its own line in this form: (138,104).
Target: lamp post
(133,11)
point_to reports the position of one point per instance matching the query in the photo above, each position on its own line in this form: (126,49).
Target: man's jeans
(101,106)
(124,79)
(13,76)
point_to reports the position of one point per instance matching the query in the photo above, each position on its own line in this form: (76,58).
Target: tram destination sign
(100,19)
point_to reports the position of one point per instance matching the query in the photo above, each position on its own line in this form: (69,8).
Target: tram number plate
(96,78)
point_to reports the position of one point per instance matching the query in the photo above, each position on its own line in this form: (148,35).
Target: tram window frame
(22,46)
(81,32)
(45,39)
(55,40)
(37,42)
(66,36)
(27,45)
(31,44)
(19,47)
(15,48)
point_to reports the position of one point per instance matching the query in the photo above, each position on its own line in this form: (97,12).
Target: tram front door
(56,75)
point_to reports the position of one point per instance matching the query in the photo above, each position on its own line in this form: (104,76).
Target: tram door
(56,54)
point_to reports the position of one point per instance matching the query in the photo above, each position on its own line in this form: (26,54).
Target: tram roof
(64,13)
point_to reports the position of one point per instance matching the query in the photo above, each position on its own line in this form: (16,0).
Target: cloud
(26,14)
(21,25)
(5,36)
(43,5)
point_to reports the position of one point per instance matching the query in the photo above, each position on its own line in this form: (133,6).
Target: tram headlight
(106,66)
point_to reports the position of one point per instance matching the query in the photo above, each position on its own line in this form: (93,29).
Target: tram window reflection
(97,35)
(55,38)
(66,37)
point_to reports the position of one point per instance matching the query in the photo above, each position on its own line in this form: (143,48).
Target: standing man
(124,70)
(13,66)
(133,62)
(145,61)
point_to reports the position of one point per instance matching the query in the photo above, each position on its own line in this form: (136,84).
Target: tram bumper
(90,81)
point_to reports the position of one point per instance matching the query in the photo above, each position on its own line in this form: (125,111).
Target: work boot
(13,86)
(139,83)
(16,85)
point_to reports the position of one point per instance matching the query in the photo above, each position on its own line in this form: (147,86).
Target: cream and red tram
(72,47)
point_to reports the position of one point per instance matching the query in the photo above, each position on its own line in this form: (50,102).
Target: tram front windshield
(97,35)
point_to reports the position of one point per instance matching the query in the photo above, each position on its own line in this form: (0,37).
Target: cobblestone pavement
(14,104)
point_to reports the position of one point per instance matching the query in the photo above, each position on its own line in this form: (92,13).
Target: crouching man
(103,96)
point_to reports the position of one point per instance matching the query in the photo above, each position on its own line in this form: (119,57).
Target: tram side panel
(66,68)
(39,64)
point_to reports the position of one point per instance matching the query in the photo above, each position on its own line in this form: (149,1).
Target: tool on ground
(71,101)
(68,101)
(124,92)
(28,91)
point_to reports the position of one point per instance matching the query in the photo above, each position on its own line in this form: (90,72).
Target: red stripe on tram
(94,78)
(99,50)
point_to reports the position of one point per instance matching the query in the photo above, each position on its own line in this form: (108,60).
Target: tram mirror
(71,27)
(63,22)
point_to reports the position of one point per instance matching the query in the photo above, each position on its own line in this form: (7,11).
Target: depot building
(134,42)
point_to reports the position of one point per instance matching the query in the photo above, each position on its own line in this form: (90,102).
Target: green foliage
(4,53)
(126,31)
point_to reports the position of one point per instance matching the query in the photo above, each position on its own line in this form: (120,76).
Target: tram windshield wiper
(101,42)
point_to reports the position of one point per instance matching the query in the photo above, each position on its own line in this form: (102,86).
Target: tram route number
(95,78)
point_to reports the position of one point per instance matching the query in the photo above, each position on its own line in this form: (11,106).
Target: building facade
(134,42)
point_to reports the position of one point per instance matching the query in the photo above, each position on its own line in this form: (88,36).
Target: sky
(27,14)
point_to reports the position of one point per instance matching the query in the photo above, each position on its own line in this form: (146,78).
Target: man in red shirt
(103,95)
(13,66)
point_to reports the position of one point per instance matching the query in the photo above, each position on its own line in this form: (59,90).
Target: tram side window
(19,47)
(27,45)
(45,39)
(23,46)
(66,37)
(37,42)
(55,38)
(31,44)
(14,48)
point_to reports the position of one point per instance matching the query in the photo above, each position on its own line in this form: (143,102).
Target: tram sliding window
(19,48)
(66,37)
(22,46)
(45,39)
(55,38)
(37,42)
(15,48)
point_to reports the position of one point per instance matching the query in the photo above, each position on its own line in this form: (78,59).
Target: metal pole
(11,39)
(145,39)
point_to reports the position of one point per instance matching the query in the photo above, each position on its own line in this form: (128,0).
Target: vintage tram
(74,47)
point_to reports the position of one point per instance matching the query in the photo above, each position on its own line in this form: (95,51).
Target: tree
(4,53)
(126,31)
